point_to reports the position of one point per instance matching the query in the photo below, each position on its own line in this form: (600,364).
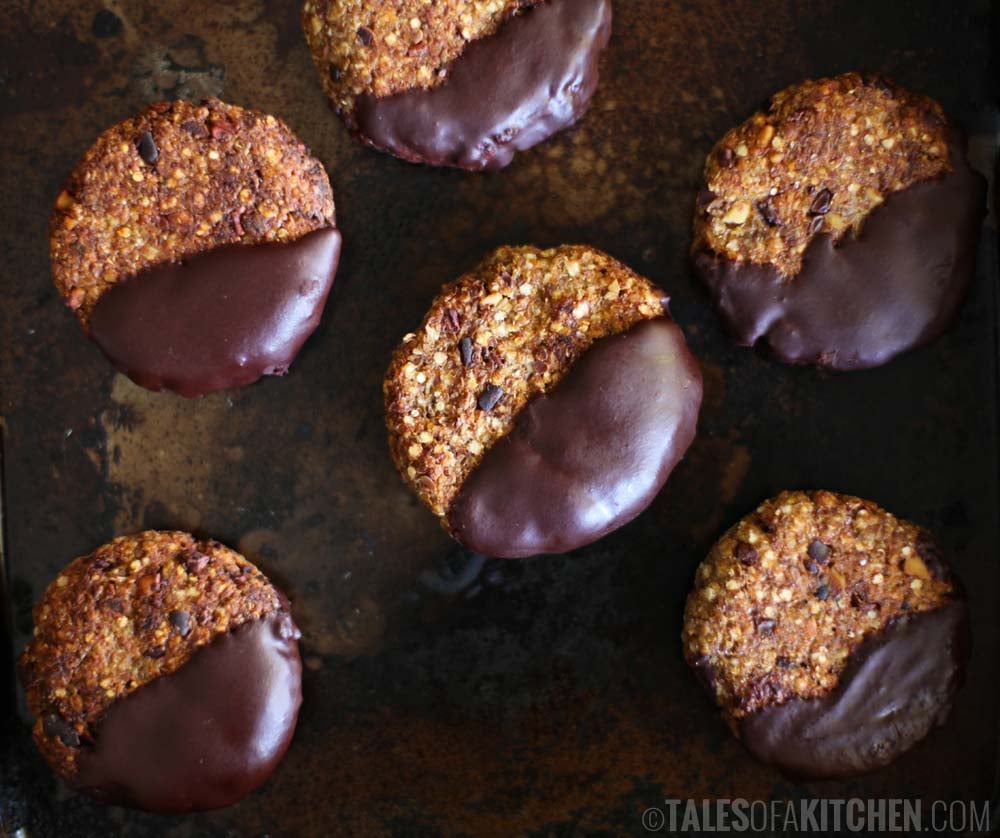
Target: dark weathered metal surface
(446,694)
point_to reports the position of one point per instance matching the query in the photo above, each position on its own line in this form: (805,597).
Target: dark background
(443,694)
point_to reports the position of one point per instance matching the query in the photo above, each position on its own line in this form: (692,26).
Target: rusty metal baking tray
(447,694)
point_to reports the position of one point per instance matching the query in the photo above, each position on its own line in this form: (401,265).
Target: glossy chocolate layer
(898,685)
(505,93)
(590,455)
(220,319)
(206,735)
(860,303)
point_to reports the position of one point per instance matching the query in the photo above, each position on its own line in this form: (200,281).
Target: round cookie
(454,83)
(840,225)
(164,674)
(831,634)
(543,402)
(196,244)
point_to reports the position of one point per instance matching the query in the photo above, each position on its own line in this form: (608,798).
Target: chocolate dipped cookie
(839,226)
(196,244)
(543,402)
(454,83)
(832,635)
(164,674)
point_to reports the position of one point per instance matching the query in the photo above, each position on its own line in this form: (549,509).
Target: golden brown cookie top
(382,47)
(131,611)
(493,339)
(819,159)
(787,593)
(178,179)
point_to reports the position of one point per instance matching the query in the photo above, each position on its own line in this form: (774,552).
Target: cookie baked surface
(382,47)
(465,86)
(839,226)
(491,377)
(789,611)
(126,636)
(503,333)
(179,179)
(820,159)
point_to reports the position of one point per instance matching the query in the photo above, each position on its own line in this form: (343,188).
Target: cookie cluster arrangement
(541,404)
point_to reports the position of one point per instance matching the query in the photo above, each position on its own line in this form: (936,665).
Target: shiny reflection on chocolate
(206,735)
(219,319)
(505,93)
(590,455)
(861,302)
(898,685)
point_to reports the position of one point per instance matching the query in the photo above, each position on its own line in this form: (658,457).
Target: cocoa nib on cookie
(543,401)
(839,225)
(163,674)
(196,245)
(452,83)
(831,634)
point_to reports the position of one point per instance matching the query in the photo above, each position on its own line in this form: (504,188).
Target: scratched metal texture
(447,694)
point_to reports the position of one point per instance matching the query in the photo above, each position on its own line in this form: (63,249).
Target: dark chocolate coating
(505,93)
(220,319)
(898,685)
(207,735)
(897,285)
(591,454)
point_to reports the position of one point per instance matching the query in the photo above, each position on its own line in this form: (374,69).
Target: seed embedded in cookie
(457,83)
(531,378)
(196,244)
(839,225)
(830,633)
(164,674)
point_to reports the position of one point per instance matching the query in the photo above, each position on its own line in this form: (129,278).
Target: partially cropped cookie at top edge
(454,83)
(832,634)
(543,402)
(163,674)
(839,226)
(196,244)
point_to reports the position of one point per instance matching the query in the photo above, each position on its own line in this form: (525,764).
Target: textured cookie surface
(840,227)
(383,47)
(133,611)
(531,79)
(787,594)
(177,180)
(466,86)
(500,335)
(820,159)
